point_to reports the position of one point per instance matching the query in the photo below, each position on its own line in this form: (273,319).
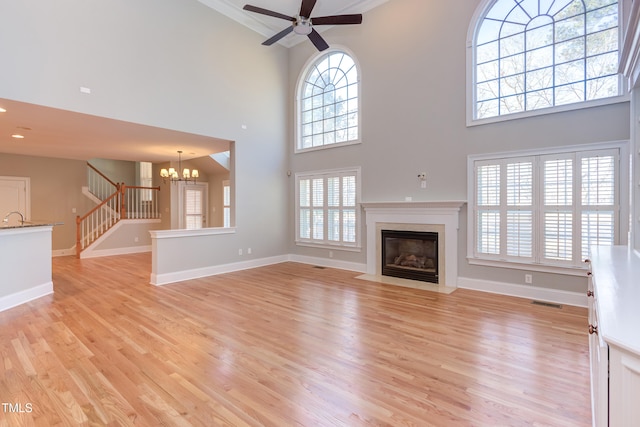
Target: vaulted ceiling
(268,26)
(58,133)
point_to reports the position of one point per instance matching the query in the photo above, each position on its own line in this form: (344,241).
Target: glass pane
(540,79)
(540,58)
(569,94)
(570,72)
(602,42)
(603,88)
(570,28)
(540,99)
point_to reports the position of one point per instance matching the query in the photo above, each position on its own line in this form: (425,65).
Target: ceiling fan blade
(268,12)
(306,7)
(338,20)
(317,40)
(278,36)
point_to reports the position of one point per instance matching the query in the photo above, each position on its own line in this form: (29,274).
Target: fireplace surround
(440,217)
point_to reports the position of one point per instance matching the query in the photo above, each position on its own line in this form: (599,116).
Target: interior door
(14,196)
(194,202)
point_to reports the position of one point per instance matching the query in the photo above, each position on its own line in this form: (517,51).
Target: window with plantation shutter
(327,208)
(545,209)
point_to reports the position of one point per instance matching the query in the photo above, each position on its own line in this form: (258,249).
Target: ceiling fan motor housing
(302,25)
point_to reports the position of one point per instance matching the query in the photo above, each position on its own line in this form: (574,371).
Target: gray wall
(56,189)
(174,64)
(414,118)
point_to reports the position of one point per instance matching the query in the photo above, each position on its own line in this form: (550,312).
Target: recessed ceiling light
(17,136)
(2,110)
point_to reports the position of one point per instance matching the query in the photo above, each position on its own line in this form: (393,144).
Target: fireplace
(410,255)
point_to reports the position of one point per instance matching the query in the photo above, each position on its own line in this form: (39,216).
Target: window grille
(536,54)
(328,105)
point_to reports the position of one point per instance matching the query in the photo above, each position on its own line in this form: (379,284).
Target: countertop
(616,279)
(28,224)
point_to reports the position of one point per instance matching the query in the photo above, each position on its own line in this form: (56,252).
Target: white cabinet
(614,340)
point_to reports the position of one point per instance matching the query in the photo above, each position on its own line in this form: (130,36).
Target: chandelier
(172,174)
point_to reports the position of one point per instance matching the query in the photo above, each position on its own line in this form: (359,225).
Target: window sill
(333,247)
(328,146)
(543,268)
(550,110)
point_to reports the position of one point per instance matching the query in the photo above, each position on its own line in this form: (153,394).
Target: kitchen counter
(617,289)
(25,262)
(28,224)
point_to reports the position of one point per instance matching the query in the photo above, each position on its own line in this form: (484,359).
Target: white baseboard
(27,295)
(197,273)
(328,262)
(522,291)
(96,253)
(64,252)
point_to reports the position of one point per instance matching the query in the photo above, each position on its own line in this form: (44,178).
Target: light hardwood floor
(285,345)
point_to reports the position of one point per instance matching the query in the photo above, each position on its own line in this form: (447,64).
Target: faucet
(6,217)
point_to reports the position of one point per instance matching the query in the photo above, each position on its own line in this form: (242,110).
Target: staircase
(115,202)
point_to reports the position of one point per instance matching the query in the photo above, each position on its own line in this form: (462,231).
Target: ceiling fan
(303,23)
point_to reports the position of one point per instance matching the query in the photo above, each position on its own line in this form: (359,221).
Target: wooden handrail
(104,202)
(102,175)
(141,188)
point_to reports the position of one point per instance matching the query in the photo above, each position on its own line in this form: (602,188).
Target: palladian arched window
(535,54)
(328,102)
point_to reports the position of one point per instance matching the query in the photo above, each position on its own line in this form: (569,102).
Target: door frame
(27,193)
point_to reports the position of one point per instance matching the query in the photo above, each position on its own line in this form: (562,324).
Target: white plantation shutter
(558,202)
(599,200)
(488,214)
(546,209)
(327,208)
(193,209)
(519,217)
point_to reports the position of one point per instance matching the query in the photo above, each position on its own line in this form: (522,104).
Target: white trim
(92,252)
(27,193)
(331,263)
(22,297)
(170,234)
(115,251)
(214,270)
(522,291)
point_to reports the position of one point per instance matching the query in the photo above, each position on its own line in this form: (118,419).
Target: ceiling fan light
(302,26)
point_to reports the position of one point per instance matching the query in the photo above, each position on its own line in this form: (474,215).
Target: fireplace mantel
(436,213)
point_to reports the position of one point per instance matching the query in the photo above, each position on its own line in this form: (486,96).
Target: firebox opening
(410,255)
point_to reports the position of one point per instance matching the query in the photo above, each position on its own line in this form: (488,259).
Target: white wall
(174,64)
(412,55)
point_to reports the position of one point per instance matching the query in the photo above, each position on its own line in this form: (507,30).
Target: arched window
(328,102)
(535,54)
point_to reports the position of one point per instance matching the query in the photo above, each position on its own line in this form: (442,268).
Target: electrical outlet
(248,251)
(240,251)
(528,279)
